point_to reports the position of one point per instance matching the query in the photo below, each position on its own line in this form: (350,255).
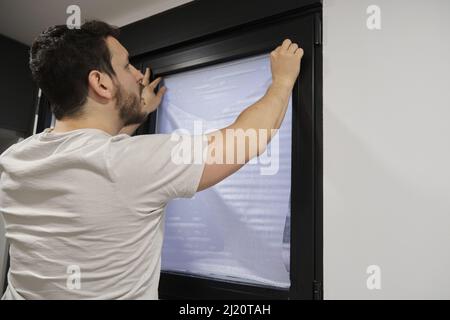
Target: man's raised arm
(254,128)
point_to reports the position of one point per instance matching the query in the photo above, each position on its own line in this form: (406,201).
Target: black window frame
(301,22)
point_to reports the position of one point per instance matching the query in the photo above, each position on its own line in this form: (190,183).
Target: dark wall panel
(17,90)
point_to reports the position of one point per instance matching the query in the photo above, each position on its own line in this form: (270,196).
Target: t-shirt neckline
(48,132)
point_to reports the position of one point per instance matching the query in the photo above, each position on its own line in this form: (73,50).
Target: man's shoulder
(19,143)
(152,139)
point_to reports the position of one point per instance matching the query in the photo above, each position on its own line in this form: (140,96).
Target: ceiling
(23,20)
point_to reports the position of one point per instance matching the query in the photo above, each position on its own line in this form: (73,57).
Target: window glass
(238,229)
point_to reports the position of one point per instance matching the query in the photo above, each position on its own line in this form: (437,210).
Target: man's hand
(285,63)
(150,101)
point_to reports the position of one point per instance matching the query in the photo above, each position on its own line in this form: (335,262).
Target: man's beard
(129,106)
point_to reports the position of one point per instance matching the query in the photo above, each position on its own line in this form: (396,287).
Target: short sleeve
(154,169)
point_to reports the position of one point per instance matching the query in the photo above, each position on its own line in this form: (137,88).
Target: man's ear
(101,84)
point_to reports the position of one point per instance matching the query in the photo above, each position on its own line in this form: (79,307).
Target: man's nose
(138,74)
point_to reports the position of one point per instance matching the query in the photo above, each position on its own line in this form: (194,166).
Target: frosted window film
(240,228)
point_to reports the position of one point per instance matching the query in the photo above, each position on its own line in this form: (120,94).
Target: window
(215,65)
(238,229)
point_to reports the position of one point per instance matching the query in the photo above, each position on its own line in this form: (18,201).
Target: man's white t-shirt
(84,212)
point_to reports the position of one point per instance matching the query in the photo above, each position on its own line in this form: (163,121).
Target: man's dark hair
(61,59)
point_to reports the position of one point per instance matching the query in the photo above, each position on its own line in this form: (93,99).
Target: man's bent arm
(263,117)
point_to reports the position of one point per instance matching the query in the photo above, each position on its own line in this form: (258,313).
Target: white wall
(24,20)
(387,149)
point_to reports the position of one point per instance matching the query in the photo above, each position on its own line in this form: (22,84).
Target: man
(84,202)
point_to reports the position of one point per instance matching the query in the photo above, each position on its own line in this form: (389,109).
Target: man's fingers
(146,79)
(286,44)
(299,52)
(161,92)
(293,47)
(155,83)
